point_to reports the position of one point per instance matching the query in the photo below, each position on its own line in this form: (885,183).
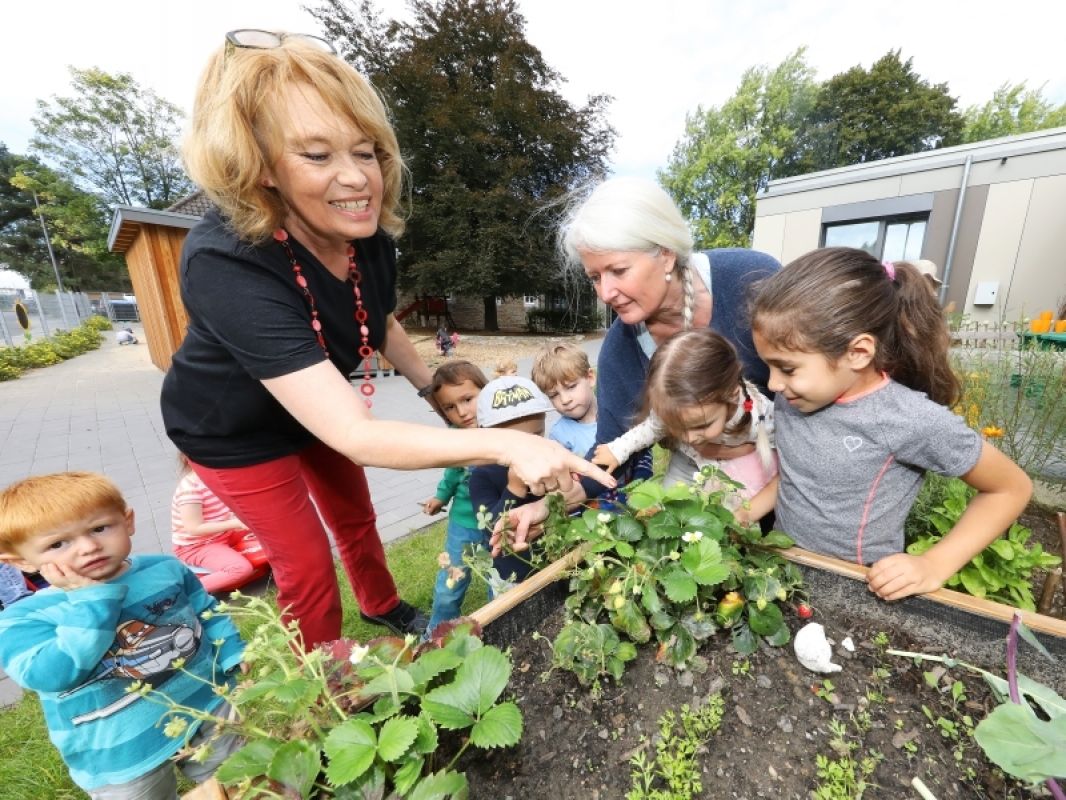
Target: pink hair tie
(890,268)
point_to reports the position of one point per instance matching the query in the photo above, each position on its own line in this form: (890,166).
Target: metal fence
(52,311)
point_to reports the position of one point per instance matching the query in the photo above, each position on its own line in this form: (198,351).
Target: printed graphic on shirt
(141,652)
(852,443)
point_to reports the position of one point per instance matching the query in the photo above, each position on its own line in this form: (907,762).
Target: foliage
(1019,393)
(1002,571)
(366,718)
(1013,109)
(844,777)
(866,115)
(78,224)
(676,565)
(1025,735)
(729,154)
(487,136)
(46,352)
(115,138)
(675,763)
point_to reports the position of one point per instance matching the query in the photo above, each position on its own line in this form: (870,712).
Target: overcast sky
(659,59)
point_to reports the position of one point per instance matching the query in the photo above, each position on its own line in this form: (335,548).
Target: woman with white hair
(633,244)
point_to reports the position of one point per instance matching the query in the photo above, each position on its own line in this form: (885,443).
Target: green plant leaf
(1030,638)
(500,726)
(477,685)
(392,678)
(649,598)
(663,526)
(427,739)
(779,637)
(250,761)
(350,748)
(744,641)
(431,664)
(1022,745)
(765,622)
(777,538)
(396,736)
(679,647)
(296,766)
(440,786)
(645,495)
(1047,698)
(972,581)
(624,549)
(1002,548)
(628,529)
(679,586)
(408,773)
(631,622)
(700,625)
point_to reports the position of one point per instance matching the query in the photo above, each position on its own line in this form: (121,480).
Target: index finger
(590,470)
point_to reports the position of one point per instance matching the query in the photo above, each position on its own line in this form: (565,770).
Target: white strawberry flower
(358,654)
(692,536)
(603,517)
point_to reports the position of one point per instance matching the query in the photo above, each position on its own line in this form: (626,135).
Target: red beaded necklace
(281,236)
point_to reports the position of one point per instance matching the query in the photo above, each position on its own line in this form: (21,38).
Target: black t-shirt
(249,321)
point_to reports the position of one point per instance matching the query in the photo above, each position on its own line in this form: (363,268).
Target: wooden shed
(152,242)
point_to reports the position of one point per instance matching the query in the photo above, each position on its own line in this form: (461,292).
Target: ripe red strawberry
(804,611)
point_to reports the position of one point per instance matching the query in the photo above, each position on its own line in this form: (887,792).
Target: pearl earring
(669,276)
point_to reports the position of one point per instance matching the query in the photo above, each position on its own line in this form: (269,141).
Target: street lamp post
(52,256)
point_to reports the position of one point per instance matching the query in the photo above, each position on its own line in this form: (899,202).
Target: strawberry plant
(356,721)
(674,565)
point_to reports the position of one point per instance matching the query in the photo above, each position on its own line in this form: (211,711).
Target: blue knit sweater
(623,366)
(80,650)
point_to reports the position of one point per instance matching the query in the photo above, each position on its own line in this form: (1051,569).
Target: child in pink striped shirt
(207,535)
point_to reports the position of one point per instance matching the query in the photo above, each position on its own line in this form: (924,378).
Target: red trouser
(274,500)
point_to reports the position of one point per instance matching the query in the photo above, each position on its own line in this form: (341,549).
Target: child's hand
(65,577)
(432,506)
(603,457)
(902,575)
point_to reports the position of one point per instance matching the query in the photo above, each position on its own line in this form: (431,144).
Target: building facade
(991,215)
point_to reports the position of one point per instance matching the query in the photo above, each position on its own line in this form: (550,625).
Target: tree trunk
(491,323)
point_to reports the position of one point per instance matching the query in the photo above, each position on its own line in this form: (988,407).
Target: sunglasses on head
(255,39)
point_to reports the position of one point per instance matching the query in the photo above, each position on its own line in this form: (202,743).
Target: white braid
(689,298)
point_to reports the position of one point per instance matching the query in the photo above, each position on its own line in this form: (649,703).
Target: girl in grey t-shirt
(858,357)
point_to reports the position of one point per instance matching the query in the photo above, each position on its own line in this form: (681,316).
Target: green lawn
(31,767)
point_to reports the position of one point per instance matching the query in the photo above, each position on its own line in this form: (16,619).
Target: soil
(577,745)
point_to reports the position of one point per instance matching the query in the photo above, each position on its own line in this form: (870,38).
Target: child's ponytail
(919,358)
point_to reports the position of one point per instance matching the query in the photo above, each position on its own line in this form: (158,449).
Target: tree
(77,224)
(1012,110)
(115,139)
(729,154)
(488,140)
(888,111)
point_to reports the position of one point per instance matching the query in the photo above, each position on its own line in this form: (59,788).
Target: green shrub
(45,352)
(98,323)
(562,320)
(1002,571)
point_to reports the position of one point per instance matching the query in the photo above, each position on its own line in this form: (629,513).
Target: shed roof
(127,222)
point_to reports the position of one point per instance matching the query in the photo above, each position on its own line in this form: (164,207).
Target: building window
(889,239)
(531,301)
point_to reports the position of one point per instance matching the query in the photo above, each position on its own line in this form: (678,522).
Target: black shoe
(402,620)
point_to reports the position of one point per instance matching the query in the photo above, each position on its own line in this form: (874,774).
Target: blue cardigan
(622,365)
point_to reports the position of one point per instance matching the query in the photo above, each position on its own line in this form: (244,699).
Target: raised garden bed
(779,719)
